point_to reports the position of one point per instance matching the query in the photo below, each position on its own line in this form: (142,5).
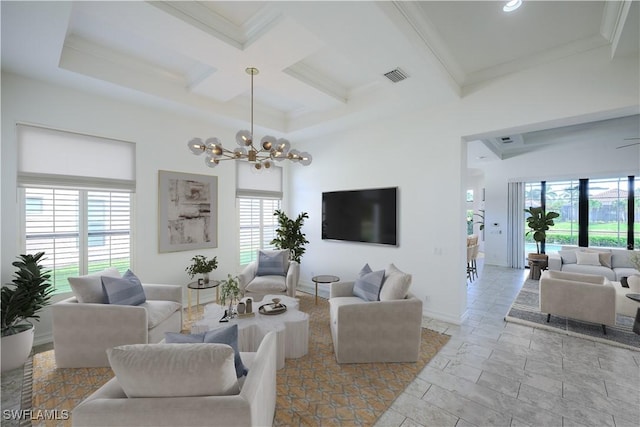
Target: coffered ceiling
(322,64)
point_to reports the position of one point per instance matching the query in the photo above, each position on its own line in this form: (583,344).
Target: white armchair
(255,284)
(374,331)
(82,332)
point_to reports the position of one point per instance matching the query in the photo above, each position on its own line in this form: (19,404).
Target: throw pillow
(229,336)
(368,284)
(226,335)
(605,258)
(88,289)
(588,258)
(395,285)
(272,263)
(174,370)
(568,257)
(123,291)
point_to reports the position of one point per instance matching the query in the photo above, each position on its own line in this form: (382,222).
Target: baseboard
(445,317)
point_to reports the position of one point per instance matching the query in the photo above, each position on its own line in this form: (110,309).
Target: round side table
(323,278)
(636,323)
(199,287)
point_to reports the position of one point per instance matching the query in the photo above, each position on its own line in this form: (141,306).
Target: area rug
(525,310)
(312,391)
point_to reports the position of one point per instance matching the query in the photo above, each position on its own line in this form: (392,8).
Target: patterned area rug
(525,310)
(312,391)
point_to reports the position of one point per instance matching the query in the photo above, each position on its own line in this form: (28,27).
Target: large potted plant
(201,265)
(290,236)
(28,293)
(539,222)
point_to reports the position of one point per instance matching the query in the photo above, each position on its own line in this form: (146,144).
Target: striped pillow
(272,263)
(368,283)
(123,291)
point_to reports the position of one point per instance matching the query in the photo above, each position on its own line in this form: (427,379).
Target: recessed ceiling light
(512,5)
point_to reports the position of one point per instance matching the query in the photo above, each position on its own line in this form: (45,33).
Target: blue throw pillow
(272,263)
(228,335)
(178,338)
(125,290)
(368,284)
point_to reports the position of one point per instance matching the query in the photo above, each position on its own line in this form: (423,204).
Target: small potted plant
(201,265)
(28,293)
(229,289)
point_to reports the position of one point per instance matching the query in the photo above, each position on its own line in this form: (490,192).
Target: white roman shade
(266,184)
(49,157)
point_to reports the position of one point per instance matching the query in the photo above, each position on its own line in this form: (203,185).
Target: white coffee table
(291,327)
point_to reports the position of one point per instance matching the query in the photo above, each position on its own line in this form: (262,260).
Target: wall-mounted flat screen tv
(369,216)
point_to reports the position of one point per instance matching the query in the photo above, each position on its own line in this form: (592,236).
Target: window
(258,197)
(80,231)
(75,196)
(257,226)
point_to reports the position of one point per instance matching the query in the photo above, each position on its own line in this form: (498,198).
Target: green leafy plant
(200,265)
(229,289)
(289,234)
(481,216)
(29,293)
(539,223)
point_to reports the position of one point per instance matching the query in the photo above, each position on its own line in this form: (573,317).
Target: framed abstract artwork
(187,211)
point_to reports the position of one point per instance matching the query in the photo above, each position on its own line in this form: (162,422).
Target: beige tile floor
(493,373)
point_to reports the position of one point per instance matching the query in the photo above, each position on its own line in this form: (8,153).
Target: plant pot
(16,348)
(537,263)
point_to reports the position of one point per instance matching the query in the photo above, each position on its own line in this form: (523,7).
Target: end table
(199,287)
(323,278)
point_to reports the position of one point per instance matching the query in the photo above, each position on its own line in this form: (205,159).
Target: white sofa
(620,264)
(253,406)
(585,297)
(82,332)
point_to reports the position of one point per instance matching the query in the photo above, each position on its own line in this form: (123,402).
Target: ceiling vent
(396,75)
(506,140)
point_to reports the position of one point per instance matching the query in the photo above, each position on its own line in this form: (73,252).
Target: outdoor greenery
(289,234)
(201,265)
(229,289)
(539,222)
(28,293)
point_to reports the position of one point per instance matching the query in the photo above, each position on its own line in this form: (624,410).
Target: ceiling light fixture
(270,148)
(512,5)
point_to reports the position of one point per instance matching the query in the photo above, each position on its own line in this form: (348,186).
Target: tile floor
(494,373)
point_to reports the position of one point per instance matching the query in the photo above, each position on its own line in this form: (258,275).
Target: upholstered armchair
(272,273)
(83,331)
(254,405)
(374,331)
(585,297)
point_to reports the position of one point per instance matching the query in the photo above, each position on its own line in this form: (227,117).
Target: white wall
(161,144)
(424,155)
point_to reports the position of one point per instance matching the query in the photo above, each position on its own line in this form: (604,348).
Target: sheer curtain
(515,225)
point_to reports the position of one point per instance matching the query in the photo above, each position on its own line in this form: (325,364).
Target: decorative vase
(249,303)
(205,278)
(16,348)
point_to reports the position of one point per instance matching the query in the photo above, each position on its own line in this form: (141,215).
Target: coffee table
(291,327)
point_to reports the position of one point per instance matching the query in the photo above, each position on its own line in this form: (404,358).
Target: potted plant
(290,236)
(201,265)
(28,293)
(539,222)
(229,288)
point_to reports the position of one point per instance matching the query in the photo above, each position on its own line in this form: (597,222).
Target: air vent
(506,140)
(396,75)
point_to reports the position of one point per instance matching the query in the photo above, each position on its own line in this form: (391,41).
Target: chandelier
(270,148)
